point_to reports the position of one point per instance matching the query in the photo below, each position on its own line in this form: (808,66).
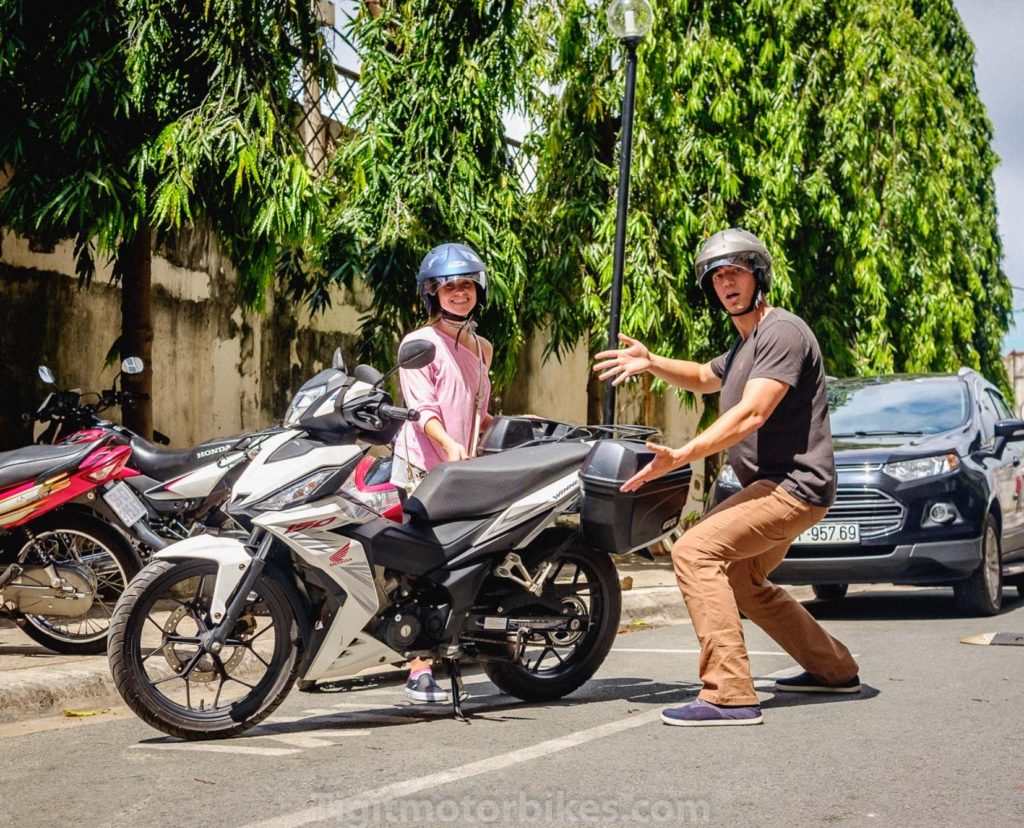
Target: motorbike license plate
(825,533)
(124,503)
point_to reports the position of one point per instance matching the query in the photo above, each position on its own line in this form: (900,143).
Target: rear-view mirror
(367,374)
(338,361)
(46,375)
(132,365)
(416,353)
(1010,429)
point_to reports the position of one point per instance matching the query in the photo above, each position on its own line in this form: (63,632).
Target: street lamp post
(628,21)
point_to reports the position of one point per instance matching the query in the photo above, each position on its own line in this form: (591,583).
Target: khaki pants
(722,565)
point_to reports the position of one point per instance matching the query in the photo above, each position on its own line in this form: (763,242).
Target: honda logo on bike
(208,452)
(341,556)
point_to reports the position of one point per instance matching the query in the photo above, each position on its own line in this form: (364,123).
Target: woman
(451,393)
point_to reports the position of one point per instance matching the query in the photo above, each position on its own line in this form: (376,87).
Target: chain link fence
(325,114)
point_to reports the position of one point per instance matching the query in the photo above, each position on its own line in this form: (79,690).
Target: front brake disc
(206,670)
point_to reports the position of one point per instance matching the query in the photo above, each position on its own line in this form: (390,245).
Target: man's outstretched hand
(623,363)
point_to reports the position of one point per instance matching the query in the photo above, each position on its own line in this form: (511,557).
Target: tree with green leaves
(126,120)
(428,162)
(848,134)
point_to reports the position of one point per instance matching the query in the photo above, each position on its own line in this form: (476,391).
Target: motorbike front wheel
(162,672)
(554,664)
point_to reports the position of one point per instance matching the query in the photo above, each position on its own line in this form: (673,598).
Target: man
(774,423)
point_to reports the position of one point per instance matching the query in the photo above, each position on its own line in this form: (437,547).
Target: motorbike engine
(399,629)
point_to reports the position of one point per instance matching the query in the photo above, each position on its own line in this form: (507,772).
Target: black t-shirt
(794,446)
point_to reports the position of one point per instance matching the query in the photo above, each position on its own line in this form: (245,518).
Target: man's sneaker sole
(781,685)
(710,722)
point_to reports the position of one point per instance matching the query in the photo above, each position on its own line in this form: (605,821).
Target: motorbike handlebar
(397,413)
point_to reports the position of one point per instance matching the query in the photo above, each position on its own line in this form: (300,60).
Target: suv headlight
(301,401)
(727,477)
(297,492)
(919,469)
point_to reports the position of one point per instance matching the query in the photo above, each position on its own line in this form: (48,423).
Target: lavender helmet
(450,261)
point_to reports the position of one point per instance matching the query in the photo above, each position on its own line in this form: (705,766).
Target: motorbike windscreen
(913,406)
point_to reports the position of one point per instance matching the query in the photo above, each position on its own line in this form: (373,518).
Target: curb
(37,691)
(653,605)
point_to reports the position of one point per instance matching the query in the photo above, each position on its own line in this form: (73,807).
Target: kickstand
(455,671)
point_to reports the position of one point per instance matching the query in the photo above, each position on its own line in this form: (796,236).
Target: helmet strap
(459,323)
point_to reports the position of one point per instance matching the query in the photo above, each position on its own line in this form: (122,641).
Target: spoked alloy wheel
(165,676)
(584,583)
(93,557)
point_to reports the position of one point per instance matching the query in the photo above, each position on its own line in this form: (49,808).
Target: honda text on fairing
(211,635)
(181,490)
(63,564)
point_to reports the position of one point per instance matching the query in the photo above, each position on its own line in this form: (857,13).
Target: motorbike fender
(229,554)
(300,606)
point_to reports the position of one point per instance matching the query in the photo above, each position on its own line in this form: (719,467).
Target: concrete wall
(219,370)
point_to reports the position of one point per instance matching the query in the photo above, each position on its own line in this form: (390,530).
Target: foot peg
(9,574)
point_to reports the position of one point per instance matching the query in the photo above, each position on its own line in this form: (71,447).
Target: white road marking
(220,748)
(305,741)
(505,760)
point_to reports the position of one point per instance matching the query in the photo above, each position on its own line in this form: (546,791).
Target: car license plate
(830,533)
(124,503)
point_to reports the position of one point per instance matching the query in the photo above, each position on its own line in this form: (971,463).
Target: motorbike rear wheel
(162,672)
(555,664)
(87,542)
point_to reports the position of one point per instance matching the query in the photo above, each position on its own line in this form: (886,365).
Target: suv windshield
(912,406)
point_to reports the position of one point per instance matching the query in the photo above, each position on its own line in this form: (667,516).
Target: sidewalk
(35,681)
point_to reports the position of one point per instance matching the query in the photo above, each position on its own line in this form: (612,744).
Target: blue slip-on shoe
(424,690)
(700,713)
(807,683)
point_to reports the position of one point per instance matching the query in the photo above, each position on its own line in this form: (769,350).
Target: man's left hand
(665,459)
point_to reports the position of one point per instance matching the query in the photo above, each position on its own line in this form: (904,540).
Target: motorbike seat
(32,462)
(486,485)
(160,464)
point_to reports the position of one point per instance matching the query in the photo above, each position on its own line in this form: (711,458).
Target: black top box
(619,522)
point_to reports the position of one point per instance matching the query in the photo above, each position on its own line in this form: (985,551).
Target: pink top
(446,390)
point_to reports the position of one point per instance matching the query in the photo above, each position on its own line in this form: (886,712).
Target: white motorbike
(211,635)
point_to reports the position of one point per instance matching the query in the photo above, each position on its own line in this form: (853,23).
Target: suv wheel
(982,592)
(830,592)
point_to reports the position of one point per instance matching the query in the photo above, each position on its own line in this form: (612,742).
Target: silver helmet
(734,246)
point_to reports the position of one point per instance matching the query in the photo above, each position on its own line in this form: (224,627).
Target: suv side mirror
(1010,429)
(1006,430)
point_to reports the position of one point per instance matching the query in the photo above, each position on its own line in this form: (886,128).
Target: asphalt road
(933,740)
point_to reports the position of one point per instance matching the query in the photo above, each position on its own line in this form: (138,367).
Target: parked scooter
(211,635)
(181,490)
(62,564)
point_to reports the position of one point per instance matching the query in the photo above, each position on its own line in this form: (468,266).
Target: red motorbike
(63,561)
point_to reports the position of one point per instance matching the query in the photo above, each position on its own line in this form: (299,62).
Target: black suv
(929,491)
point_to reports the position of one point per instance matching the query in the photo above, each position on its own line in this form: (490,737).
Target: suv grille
(876,512)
